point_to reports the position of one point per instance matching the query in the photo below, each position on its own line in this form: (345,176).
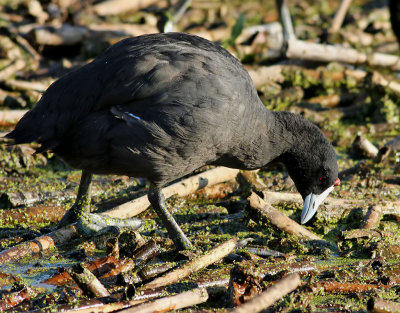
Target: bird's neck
(287,133)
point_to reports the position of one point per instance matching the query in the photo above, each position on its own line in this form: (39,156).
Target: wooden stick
(272,294)
(37,86)
(114,7)
(373,217)
(55,36)
(38,244)
(298,49)
(32,215)
(363,145)
(266,75)
(11,69)
(180,301)
(378,305)
(11,117)
(265,210)
(86,280)
(194,265)
(14,298)
(89,306)
(339,16)
(181,189)
(337,287)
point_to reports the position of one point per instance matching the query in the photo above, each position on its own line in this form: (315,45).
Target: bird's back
(168,102)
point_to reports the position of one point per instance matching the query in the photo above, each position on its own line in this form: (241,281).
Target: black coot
(394,9)
(160,106)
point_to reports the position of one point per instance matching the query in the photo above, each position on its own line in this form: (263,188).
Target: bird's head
(313,167)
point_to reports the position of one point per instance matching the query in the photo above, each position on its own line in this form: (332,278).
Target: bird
(394,10)
(161,106)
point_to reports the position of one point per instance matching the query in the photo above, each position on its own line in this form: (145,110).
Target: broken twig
(269,296)
(194,265)
(267,211)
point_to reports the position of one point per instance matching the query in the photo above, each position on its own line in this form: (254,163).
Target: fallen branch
(53,36)
(87,281)
(339,16)
(266,75)
(32,215)
(194,265)
(269,296)
(114,7)
(89,306)
(370,233)
(336,287)
(378,305)
(373,217)
(181,189)
(298,49)
(10,117)
(14,298)
(363,146)
(38,87)
(180,301)
(11,69)
(38,244)
(266,210)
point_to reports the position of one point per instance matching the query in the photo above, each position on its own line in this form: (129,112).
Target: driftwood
(10,117)
(266,210)
(373,217)
(53,36)
(86,280)
(38,87)
(363,146)
(124,29)
(32,215)
(11,97)
(266,75)
(14,298)
(89,306)
(11,69)
(179,301)
(195,265)
(41,243)
(339,16)
(328,53)
(146,252)
(377,305)
(368,233)
(269,296)
(336,287)
(114,7)
(181,189)
(104,267)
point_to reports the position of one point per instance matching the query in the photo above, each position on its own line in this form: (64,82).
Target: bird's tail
(29,129)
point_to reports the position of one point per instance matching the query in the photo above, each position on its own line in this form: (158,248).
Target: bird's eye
(323,177)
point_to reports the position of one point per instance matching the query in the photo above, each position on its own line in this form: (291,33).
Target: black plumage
(160,106)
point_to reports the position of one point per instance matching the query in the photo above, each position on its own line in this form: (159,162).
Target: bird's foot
(70,217)
(90,224)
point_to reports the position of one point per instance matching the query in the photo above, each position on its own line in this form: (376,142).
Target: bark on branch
(272,294)
(267,211)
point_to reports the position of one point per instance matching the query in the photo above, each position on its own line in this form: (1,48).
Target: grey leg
(82,202)
(157,200)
